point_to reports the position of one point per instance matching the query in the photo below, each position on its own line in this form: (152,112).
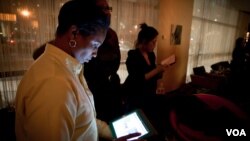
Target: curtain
(125,20)
(24,26)
(213,33)
(27,24)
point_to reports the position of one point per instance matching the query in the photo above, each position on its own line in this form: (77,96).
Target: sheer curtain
(27,24)
(213,33)
(24,26)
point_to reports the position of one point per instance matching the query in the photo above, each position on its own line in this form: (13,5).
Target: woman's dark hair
(146,34)
(84,14)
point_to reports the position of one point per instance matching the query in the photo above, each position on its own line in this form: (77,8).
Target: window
(213,33)
(24,26)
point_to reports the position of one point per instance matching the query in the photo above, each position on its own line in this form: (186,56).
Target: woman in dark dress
(143,72)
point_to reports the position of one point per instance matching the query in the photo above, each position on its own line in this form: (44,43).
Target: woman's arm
(159,69)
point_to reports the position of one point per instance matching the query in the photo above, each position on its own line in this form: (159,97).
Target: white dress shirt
(54,103)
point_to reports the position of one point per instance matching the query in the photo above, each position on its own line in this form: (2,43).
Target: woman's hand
(125,138)
(169,61)
(161,68)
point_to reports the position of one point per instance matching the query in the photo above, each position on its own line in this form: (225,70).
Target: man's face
(105,6)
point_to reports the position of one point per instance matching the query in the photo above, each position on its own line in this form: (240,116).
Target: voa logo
(236,132)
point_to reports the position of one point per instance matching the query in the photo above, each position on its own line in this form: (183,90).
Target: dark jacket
(139,90)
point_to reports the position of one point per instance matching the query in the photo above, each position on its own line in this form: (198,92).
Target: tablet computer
(135,121)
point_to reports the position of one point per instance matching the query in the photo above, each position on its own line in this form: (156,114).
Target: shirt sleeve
(103,129)
(52,111)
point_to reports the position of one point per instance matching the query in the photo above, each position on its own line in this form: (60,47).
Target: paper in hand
(169,60)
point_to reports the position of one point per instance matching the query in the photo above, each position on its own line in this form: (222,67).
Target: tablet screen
(131,123)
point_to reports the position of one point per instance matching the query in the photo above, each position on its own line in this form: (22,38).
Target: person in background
(101,74)
(237,88)
(143,73)
(53,101)
(39,51)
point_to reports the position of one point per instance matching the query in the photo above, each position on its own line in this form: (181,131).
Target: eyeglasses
(107,8)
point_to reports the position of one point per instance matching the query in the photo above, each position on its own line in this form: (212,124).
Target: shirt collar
(70,62)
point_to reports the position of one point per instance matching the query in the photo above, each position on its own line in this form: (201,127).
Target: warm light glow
(122,26)
(7,17)
(25,13)
(61,4)
(136,26)
(122,41)
(35,24)
(247,36)
(12,41)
